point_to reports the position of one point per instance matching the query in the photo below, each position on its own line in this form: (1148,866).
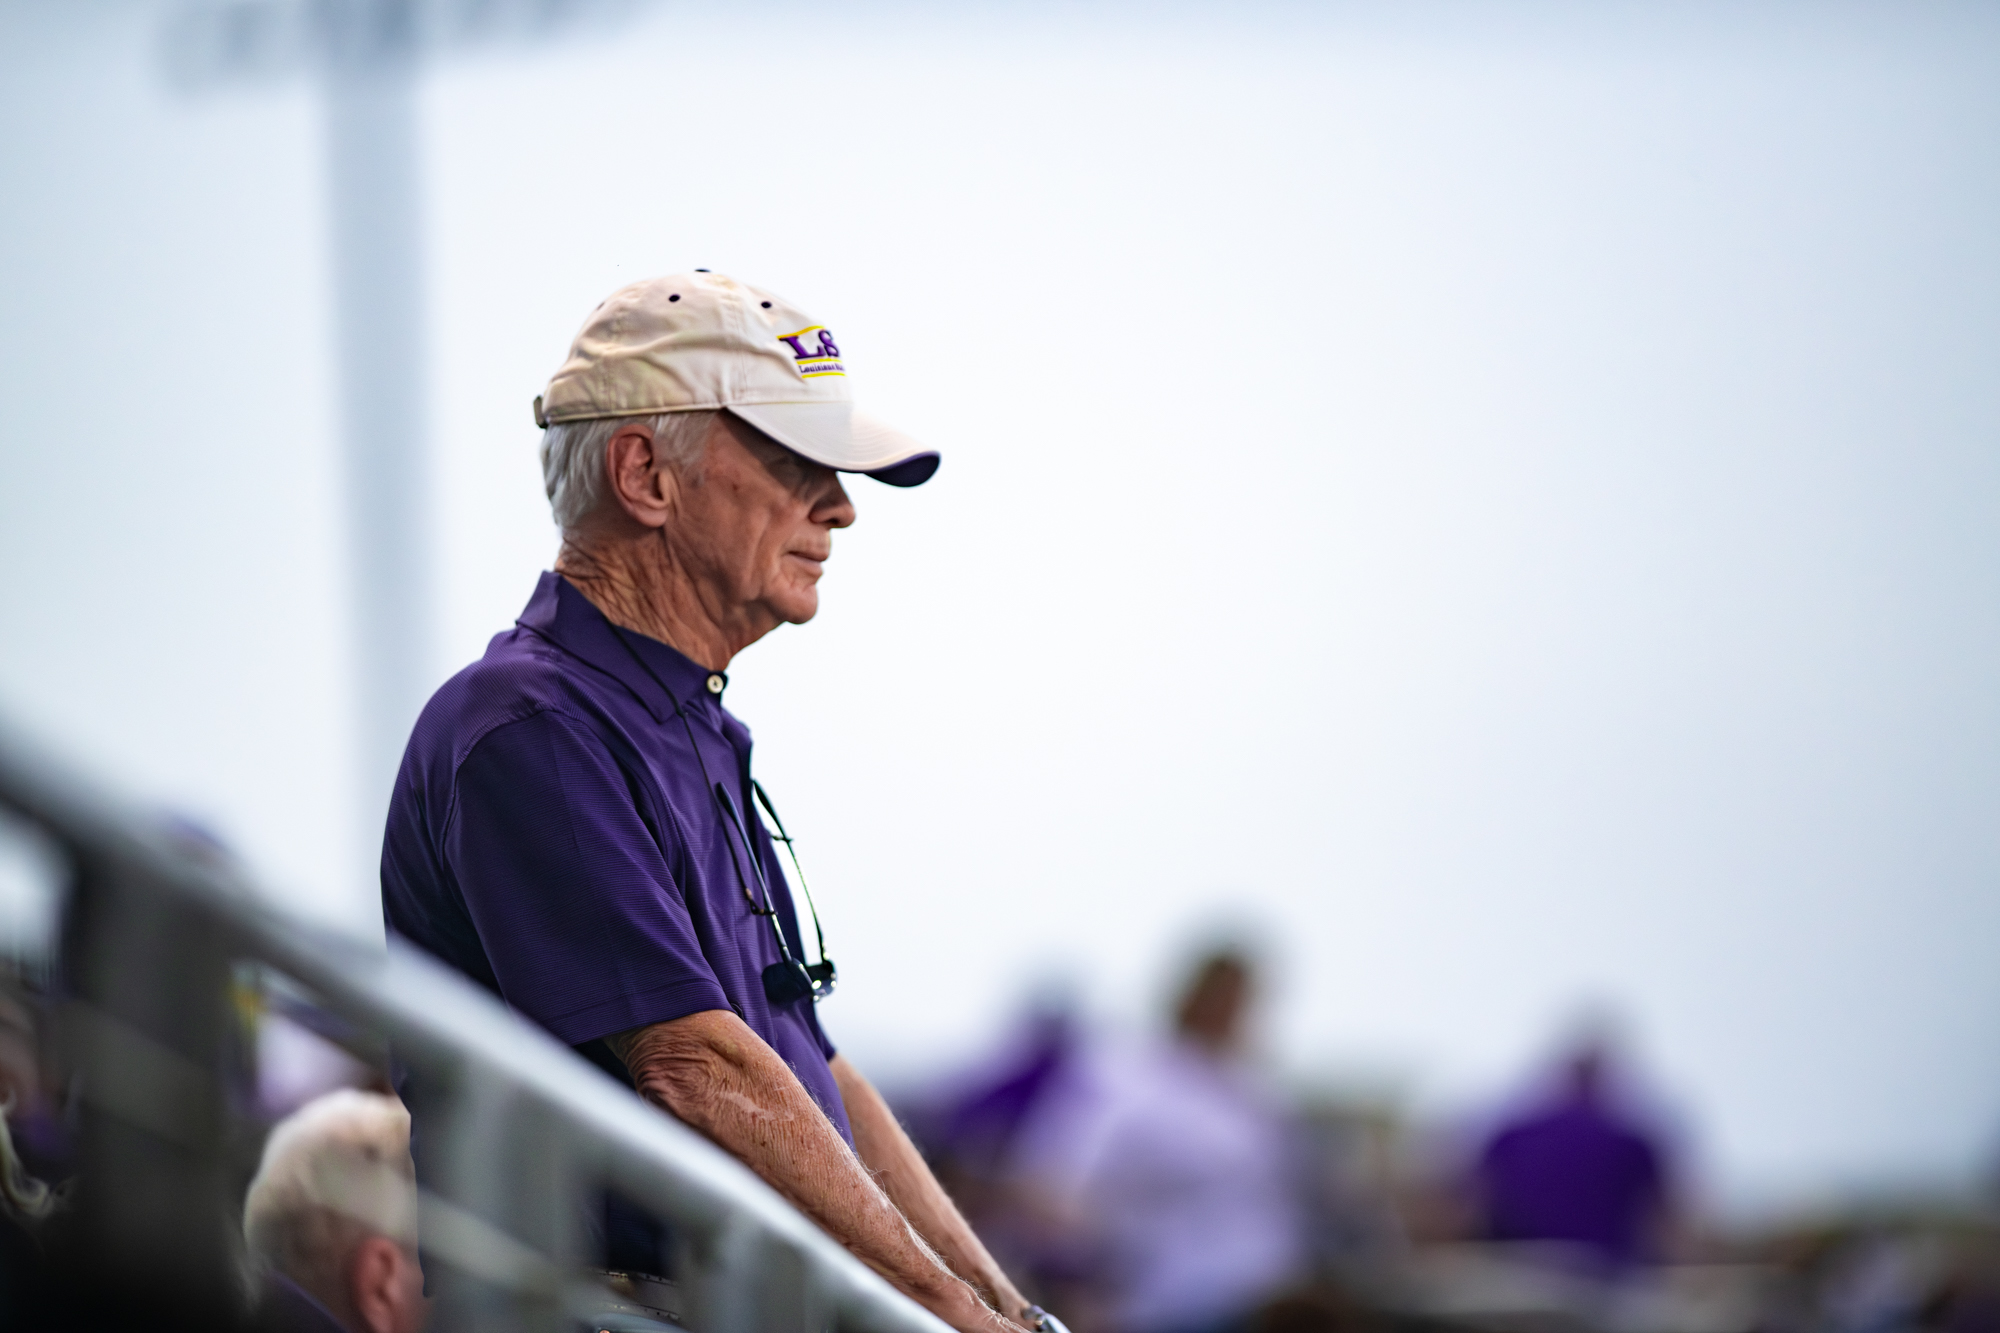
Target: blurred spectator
(969,1129)
(24,1200)
(22,1197)
(1576,1170)
(332,1216)
(1173,1169)
(975,1128)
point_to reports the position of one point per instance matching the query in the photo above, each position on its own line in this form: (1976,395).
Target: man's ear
(643,489)
(375,1282)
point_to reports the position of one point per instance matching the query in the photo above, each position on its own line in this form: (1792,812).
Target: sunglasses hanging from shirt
(789,979)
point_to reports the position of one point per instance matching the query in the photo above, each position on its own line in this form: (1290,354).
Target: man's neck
(638,587)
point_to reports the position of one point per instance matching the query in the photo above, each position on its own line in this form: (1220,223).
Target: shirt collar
(561,614)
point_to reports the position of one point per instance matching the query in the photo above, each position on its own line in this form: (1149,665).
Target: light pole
(374,192)
(368,55)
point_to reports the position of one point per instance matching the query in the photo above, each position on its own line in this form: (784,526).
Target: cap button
(715,684)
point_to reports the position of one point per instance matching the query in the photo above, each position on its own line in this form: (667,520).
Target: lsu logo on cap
(818,357)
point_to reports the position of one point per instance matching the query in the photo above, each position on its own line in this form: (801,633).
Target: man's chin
(797,610)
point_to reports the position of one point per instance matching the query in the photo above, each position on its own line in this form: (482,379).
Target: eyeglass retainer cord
(769,909)
(764,799)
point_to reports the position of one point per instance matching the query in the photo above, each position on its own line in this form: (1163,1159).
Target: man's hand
(712,1072)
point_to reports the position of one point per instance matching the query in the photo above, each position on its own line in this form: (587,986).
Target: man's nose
(834,509)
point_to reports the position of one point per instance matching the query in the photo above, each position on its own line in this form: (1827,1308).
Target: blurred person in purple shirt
(1578,1170)
(576,825)
(1174,1168)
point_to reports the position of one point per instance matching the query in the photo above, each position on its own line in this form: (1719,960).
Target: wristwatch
(1037,1320)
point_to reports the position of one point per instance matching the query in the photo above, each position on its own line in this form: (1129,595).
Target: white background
(1498,503)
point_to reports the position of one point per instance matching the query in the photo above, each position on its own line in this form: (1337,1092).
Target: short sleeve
(575,905)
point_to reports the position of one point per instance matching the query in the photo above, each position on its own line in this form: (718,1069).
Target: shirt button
(715,684)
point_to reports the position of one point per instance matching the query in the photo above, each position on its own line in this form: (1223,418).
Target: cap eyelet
(767,305)
(675,297)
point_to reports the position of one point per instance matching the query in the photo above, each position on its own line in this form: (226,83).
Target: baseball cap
(700,340)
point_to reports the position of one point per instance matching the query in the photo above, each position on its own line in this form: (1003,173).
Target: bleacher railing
(157,935)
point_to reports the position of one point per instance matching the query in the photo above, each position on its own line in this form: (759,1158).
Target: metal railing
(156,935)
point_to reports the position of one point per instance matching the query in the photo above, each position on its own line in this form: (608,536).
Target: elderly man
(576,826)
(332,1217)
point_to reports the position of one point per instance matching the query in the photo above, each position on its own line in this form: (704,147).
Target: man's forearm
(900,1170)
(712,1072)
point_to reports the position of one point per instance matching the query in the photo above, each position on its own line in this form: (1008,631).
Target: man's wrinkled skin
(709,559)
(712,558)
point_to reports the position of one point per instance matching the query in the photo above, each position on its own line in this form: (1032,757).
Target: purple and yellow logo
(820,357)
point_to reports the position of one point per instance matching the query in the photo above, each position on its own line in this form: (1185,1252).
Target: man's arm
(898,1168)
(712,1072)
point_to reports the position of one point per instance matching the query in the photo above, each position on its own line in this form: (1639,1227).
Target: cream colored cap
(700,340)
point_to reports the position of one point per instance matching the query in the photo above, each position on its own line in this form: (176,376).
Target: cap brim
(843,439)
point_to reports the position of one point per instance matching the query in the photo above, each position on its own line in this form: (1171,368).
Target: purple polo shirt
(552,835)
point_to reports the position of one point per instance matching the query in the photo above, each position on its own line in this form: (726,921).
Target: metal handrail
(154,931)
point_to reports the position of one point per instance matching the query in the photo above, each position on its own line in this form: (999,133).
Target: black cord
(764,799)
(819,979)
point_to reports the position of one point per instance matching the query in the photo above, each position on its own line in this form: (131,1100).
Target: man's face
(754,525)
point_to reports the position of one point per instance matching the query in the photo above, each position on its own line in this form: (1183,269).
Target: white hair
(334,1172)
(573,456)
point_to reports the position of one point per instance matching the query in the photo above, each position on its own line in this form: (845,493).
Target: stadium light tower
(367,56)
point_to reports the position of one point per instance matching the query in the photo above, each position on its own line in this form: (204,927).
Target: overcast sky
(1499,502)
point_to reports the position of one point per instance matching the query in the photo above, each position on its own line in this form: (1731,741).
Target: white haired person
(576,826)
(332,1218)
